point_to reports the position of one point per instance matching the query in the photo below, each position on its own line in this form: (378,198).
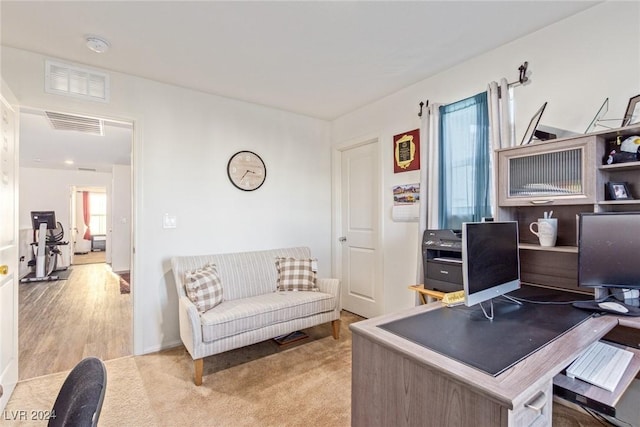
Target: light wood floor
(90,257)
(64,321)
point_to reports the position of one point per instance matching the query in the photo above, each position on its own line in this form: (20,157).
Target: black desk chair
(80,399)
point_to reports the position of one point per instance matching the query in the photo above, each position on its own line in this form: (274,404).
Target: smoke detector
(97,44)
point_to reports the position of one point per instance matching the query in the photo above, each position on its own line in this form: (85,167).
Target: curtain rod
(421,105)
(522,80)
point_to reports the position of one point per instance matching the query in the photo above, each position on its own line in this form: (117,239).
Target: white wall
(575,65)
(120,236)
(182,142)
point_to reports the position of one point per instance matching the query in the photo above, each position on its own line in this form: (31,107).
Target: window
(98,221)
(465,178)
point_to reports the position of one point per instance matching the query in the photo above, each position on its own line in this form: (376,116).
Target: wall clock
(246,170)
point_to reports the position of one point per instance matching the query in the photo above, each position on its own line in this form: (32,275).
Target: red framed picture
(406,151)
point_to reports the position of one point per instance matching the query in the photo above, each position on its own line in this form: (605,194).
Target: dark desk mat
(465,334)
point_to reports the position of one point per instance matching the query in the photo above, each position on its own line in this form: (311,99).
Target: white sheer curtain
(503,133)
(429,135)
(502,128)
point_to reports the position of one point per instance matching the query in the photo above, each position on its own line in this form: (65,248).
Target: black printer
(442,260)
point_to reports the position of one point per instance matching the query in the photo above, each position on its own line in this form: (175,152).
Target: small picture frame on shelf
(618,191)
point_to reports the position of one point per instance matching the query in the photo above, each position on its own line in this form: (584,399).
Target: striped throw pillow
(204,287)
(296,274)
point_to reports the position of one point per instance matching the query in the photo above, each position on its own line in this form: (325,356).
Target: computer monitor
(490,260)
(608,248)
(43,217)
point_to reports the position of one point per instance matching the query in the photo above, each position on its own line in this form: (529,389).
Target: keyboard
(453,298)
(601,365)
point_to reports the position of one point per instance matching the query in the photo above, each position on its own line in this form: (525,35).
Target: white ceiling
(41,146)
(317,58)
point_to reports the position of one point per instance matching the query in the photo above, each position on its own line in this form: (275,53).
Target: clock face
(246,170)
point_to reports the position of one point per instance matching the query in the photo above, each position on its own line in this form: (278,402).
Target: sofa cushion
(248,314)
(296,274)
(204,287)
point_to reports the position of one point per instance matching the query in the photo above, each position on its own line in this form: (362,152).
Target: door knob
(342,239)
(4,269)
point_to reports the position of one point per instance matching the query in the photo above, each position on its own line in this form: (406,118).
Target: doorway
(89,218)
(360,230)
(85,313)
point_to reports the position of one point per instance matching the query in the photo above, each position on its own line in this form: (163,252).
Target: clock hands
(245,174)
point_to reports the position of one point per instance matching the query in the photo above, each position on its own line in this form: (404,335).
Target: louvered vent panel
(63,79)
(61,121)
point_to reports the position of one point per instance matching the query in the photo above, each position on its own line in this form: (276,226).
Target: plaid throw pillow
(204,287)
(296,274)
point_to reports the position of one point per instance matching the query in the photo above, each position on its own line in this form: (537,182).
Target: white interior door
(8,246)
(361,274)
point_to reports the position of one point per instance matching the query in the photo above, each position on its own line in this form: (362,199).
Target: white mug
(547,230)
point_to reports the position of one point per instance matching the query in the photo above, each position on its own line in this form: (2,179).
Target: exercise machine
(47,236)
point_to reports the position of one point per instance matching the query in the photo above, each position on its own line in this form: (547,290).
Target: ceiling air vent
(65,79)
(87,169)
(60,121)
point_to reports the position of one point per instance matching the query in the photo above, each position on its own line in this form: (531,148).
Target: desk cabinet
(566,176)
(389,389)
(396,382)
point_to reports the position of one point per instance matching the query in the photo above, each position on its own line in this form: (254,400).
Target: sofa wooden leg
(198,365)
(335,326)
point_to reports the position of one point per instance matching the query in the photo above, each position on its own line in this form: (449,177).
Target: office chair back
(80,399)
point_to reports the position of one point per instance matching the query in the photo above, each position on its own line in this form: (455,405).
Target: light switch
(169,221)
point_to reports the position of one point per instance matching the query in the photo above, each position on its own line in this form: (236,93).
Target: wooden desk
(423,293)
(400,383)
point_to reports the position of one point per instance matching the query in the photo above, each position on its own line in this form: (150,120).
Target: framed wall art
(406,151)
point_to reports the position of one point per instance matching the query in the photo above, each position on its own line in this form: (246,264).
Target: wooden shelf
(534,247)
(620,166)
(619,202)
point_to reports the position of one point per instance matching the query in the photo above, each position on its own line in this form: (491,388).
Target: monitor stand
(507,297)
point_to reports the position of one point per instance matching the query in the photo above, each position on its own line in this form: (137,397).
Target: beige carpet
(307,383)
(125,403)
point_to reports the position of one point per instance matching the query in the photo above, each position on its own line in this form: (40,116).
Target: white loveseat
(252,310)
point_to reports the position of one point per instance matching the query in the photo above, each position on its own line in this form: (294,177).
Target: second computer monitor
(490,260)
